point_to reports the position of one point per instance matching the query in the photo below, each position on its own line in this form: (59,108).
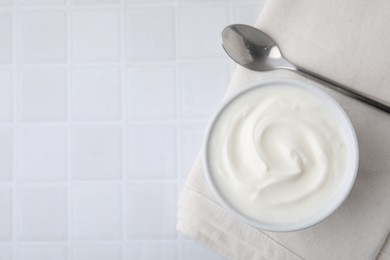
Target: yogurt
(277,154)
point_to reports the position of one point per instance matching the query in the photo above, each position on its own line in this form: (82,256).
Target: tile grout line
(122,35)
(134,121)
(15,46)
(186,61)
(69,127)
(95,6)
(127,5)
(179,240)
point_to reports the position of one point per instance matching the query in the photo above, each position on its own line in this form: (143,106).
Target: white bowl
(351,169)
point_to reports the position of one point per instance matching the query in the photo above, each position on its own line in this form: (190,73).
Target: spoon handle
(345,90)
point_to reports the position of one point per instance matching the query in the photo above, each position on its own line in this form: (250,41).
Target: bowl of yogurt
(281,155)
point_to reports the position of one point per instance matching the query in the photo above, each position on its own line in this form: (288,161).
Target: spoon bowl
(253,49)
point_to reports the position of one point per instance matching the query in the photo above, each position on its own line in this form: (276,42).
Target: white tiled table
(102,108)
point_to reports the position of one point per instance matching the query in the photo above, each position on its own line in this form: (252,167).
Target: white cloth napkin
(349,42)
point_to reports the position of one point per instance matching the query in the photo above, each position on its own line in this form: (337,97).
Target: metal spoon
(255,50)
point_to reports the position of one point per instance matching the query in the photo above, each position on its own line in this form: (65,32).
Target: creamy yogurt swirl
(277,154)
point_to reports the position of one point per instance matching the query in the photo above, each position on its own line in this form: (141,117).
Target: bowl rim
(340,196)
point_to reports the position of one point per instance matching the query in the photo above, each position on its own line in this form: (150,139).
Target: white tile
(151,151)
(5,252)
(95,35)
(5,36)
(200,31)
(96,93)
(42,94)
(149,1)
(42,2)
(191,142)
(152,250)
(5,95)
(42,212)
(96,152)
(6,153)
(42,154)
(151,91)
(96,212)
(151,210)
(94,2)
(95,251)
(6,214)
(202,87)
(5,3)
(150,34)
(42,36)
(42,252)
(194,250)
(248,13)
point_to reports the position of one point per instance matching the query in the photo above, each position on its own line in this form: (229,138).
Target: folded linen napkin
(348,42)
